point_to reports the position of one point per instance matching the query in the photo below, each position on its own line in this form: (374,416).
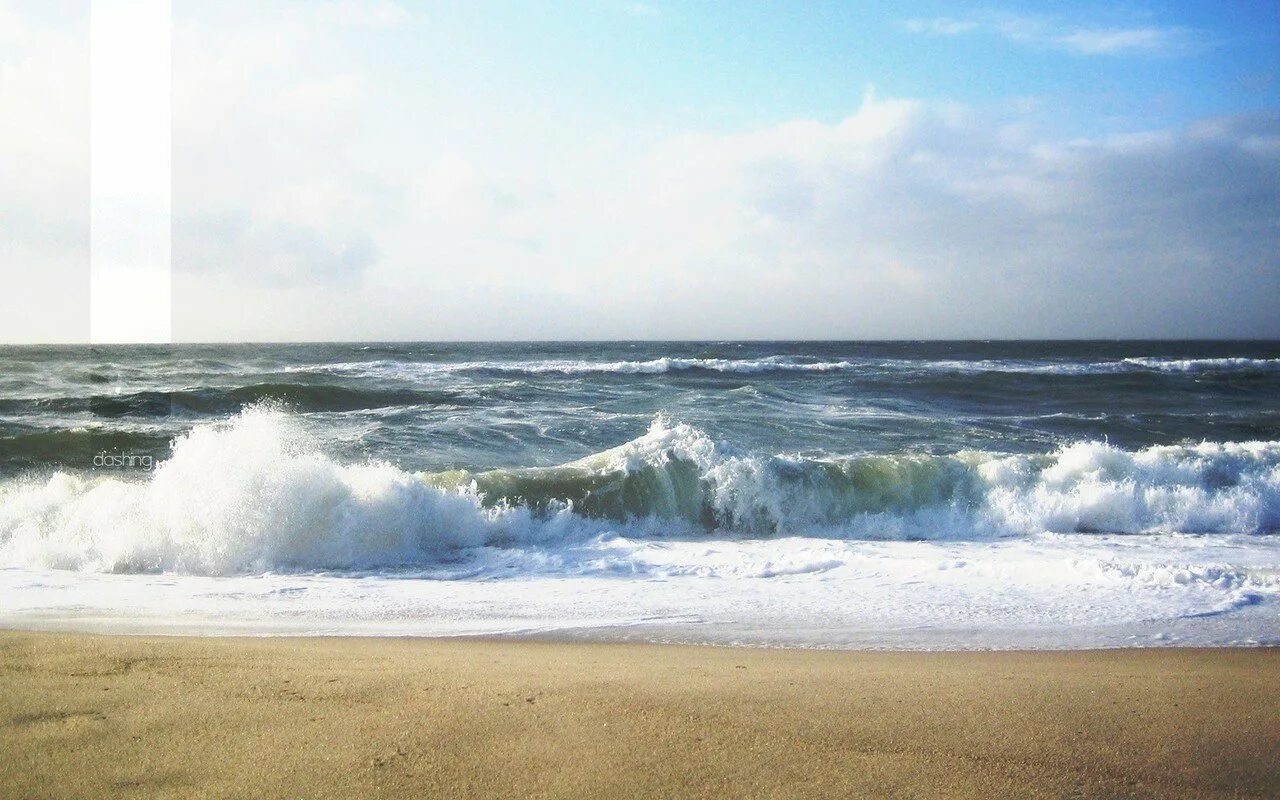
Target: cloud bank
(905,219)
(316,198)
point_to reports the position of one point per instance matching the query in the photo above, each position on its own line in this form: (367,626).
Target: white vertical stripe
(130,171)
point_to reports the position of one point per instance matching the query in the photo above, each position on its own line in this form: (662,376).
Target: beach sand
(103,716)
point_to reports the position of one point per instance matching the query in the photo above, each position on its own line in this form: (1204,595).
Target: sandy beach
(95,716)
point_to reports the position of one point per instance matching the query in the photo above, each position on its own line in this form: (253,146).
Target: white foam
(1047,591)
(251,495)
(1205,364)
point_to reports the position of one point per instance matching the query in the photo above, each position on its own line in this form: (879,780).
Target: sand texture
(100,716)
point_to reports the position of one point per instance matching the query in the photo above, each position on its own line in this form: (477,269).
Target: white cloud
(1116,41)
(375,14)
(641,9)
(941,26)
(1055,34)
(265,181)
(13,28)
(905,219)
(314,200)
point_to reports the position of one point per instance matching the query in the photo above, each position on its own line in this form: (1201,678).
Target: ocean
(837,494)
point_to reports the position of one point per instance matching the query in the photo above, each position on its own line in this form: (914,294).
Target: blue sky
(367,169)
(1095,68)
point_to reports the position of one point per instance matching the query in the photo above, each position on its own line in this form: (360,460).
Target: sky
(592,169)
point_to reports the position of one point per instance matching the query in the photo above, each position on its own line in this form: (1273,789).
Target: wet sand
(99,716)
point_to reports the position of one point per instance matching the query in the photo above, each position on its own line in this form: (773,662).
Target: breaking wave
(257,494)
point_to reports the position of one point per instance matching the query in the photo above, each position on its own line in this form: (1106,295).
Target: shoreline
(622,635)
(92,715)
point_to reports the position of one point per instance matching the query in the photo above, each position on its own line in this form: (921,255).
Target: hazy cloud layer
(44,171)
(904,219)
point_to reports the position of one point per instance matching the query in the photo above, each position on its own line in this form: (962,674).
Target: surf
(257,493)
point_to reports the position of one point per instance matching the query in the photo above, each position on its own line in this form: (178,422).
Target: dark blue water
(434,406)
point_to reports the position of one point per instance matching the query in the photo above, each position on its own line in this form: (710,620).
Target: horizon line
(713,340)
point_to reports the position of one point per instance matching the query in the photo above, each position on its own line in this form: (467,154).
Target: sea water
(921,495)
